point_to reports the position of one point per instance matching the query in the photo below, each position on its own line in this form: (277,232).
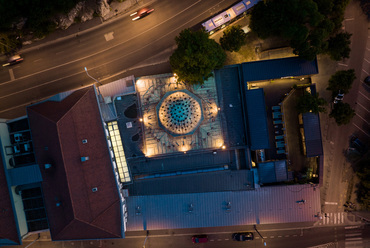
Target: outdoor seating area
(279,129)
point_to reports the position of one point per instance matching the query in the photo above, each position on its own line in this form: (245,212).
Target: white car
(339,97)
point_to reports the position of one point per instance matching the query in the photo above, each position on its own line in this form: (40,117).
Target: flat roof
(266,205)
(278,68)
(257,119)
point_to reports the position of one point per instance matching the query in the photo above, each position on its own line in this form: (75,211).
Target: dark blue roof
(257,119)
(278,68)
(271,172)
(312,133)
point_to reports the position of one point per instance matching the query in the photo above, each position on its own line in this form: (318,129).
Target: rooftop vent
(58,204)
(84,141)
(83,159)
(94,189)
(47,166)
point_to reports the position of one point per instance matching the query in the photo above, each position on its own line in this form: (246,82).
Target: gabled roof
(278,68)
(8,227)
(58,129)
(257,119)
(312,134)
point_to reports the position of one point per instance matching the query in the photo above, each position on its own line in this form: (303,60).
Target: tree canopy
(338,47)
(196,56)
(233,38)
(341,81)
(342,113)
(308,24)
(363,188)
(311,103)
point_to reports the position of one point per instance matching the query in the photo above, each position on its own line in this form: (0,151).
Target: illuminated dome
(179,112)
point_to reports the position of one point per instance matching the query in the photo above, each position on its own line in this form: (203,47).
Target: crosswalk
(353,237)
(333,218)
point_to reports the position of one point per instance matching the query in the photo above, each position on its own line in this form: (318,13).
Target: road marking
(36,60)
(59,52)
(365,71)
(211,240)
(227,239)
(335,218)
(363,119)
(271,237)
(352,227)
(367,60)
(342,64)
(280,236)
(11,74)
(364,95)
(286,236)
(352,234)
(295,235)
(363,107)
(342,217)
(331,203)
(361,129)
(349,19)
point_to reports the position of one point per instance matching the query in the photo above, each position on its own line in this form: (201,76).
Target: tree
(363,188)
(338,47)
(341,81)
(196,56)
(342,113)
(311,103)
(233,38)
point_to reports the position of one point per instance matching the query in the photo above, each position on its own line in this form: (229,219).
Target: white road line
(280,236)
(362,106)
(295,235)
(286,236)
(352,227)
(363,119)
(364,95)
(361,129)
(367,60)
(342,64)
(36,60)
(354,244)
(331,203)
(335,218)
(365,71)
(349,19)
(11,74)
(342,217)
(271,237)
(227,239)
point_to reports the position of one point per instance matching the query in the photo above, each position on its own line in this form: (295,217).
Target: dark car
(15,59)
(244,236)
(199,239)
(141,13)
(367,80)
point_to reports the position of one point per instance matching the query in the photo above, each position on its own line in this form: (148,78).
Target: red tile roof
(8,227)
(58,129)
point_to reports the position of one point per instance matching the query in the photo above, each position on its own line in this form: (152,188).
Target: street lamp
(263,240)
(92,77)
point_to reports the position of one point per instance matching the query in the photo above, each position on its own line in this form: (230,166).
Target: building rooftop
(267,205)
(81,195)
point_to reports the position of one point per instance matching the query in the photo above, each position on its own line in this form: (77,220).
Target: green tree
(363,188)
(196,56)
(233,38)
(341,81)
(311,103)
(338,47)
(342,113)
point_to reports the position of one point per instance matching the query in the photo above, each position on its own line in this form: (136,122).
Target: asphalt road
(274,236)
(109,51)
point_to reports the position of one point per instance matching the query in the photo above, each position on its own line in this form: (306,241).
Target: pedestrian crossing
(353,237)
(333,218)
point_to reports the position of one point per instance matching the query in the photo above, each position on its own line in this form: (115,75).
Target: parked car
(243,236)
(141,13)
(358,145)
(339,97)
(367,80)
(199,239)
(15,59)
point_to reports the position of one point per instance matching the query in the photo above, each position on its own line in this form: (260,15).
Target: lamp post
(92,77)
(263,240)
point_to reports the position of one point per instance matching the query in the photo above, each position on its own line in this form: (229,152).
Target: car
(243,236)
(15,59)
(367,80)
(141,13)
(199,239)
(339,97)
(357,144)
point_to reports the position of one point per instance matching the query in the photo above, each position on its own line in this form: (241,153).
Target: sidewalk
(118,11)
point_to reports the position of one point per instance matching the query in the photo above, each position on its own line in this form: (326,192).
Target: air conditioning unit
(83,159)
